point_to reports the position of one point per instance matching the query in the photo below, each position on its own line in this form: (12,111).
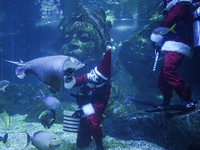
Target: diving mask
(92,76)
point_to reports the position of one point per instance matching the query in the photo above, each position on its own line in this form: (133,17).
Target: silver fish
(49,69)
(50,101)
(44,140)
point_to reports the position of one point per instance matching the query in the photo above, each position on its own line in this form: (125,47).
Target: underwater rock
(137,57)
(18,98)
(167,129)
(115,67)
(84,35)
(117,91)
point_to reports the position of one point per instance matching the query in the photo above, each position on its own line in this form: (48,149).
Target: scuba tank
(196,28)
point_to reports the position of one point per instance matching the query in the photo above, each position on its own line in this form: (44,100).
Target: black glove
(78,113)
(69,73)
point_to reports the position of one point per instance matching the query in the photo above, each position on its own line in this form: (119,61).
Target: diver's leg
(165,88)
(170,73)
(94,122)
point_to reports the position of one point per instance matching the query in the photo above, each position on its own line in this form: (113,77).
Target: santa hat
(104,69)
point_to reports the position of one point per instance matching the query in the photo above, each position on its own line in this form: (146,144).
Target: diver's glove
(78,113)
(69,73)
(85,111)
(69,80)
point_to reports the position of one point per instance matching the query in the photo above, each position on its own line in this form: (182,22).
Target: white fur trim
(70,84)
(157,39)
(178,47)
(88,109)
(102,76)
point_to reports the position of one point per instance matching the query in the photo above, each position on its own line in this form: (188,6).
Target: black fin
(28,139)
(141,101)
(5,137)
(184,107)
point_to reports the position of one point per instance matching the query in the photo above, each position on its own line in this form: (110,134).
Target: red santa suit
(91,125)
(176,47)
(95,92)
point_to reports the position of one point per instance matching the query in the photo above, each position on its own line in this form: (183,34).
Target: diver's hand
(78,113)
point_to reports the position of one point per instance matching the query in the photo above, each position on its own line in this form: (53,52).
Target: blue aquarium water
(33,30)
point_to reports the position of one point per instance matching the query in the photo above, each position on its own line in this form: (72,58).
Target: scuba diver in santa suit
(92,100)
(176,45)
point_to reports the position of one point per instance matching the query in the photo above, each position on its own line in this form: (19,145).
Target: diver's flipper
(155,109)
(184,107)
(141,101)
(70,124)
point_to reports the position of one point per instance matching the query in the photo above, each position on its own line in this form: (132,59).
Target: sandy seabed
(17,139)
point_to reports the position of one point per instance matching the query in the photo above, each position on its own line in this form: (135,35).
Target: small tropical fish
(4,138)
(43,140)
(3,85)
(50,101)
(164,30)
(127,100)
(47,23)
(5,117)
(117,107)
(115,111)
(47,118)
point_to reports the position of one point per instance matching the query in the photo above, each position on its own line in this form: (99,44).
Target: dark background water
(27,34)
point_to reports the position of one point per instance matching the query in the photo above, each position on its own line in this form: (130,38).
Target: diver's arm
(75,82)
(71,81)
(80,80)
